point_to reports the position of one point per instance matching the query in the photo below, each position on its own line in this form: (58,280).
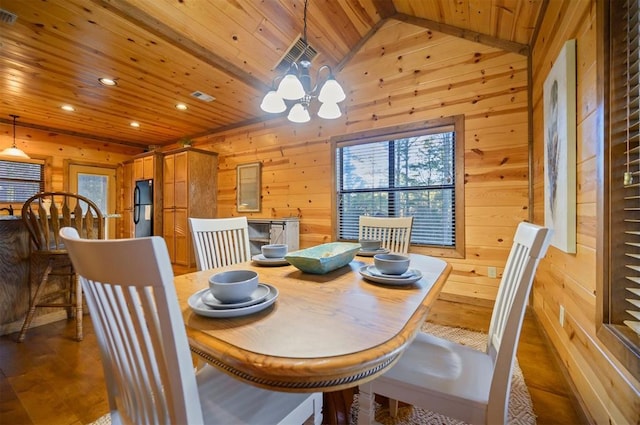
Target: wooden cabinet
(147,166)
(144,167)
(189,190)
(126,228)
(269,231)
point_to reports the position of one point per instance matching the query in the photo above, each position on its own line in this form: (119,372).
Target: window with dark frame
(19,180)
(621,280)
(407,172)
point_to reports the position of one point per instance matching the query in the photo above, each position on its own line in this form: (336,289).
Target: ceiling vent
(294,54)
(203,96)
(8,17)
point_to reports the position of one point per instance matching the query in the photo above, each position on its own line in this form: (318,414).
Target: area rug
(520,405)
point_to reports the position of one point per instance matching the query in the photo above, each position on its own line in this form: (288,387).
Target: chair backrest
(530,244)
(220,242)
(394,232)
(45,213)
(128,284)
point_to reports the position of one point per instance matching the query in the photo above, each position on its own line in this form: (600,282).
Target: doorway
(98,184)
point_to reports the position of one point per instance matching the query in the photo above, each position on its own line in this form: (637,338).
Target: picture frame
(560,149)
(248,187)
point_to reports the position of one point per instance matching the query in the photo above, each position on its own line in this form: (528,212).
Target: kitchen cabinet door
(168,217)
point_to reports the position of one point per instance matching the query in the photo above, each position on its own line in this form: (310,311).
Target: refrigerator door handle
(136,205)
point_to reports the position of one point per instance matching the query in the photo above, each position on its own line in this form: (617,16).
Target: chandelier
(296,86)
(13,150)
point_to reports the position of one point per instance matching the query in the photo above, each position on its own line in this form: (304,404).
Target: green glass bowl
(323,258)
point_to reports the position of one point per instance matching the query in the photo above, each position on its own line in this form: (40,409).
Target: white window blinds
(631,172)
(19,180)
(407,175)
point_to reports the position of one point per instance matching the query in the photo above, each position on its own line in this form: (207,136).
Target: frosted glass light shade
(331,92)
(273,103)
(290,88)
(13,151)
(299,114)
(329,111)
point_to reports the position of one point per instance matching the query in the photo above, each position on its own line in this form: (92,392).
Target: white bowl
(370,244)
(391,263)
(274,250)
(233,286)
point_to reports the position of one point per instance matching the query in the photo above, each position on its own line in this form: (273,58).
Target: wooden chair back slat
(220,242)
(47,212)
(393,232)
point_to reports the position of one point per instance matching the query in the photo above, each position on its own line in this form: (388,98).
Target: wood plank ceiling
(162,51)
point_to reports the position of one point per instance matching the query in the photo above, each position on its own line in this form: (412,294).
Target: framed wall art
(248,187)
(560,149)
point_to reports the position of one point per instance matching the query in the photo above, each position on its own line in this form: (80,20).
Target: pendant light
(13,150)
(296,87)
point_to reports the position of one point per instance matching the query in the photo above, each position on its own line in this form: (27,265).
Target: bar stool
(44,214)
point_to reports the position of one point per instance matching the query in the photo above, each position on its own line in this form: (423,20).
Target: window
(620,294)
(19,180)
(406,172)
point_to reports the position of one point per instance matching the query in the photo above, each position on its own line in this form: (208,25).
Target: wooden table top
(323,333)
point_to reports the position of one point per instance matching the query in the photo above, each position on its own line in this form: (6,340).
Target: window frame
(607,333)
(403,131)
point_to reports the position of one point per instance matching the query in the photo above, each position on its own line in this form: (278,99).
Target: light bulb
(331,92)
(272,103)
(290,88)
(329,111)
(299,114)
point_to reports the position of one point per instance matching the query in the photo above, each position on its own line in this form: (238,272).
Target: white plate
(264,261)
(364,271)
(198,307)
(372,252)
(374,271)
(258,295)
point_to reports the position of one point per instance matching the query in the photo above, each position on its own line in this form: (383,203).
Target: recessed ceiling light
(68,108)
(135,124)
(181,106)
(108,81)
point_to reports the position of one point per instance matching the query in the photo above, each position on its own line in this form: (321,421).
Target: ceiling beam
(143,20)
(76,134)
(509,46)
(385,8)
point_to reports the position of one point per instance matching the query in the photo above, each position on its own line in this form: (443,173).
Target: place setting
(391,269)
(272,255)
(233,293)
(371,247)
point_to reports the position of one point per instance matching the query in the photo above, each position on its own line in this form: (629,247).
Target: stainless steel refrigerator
(143,208)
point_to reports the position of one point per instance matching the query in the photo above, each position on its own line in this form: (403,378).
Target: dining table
(320,332)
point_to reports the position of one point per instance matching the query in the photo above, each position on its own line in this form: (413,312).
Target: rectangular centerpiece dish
(323,258)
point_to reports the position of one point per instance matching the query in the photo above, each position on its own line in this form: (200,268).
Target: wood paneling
(160,52)
(609,394)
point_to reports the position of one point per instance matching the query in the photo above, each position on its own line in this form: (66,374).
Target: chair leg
(34,303)
(393,407)
(79,312)
(366,405)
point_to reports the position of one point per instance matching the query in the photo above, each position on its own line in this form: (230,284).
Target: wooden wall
(57,148)
(610,395)
(403,74)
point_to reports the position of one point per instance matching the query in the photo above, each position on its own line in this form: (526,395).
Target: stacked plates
(265,261)
(372,252)
(372,274)
(205,304)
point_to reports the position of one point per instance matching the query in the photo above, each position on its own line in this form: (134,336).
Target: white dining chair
(456,380)
(220,242)
(148,367)
(393,232)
